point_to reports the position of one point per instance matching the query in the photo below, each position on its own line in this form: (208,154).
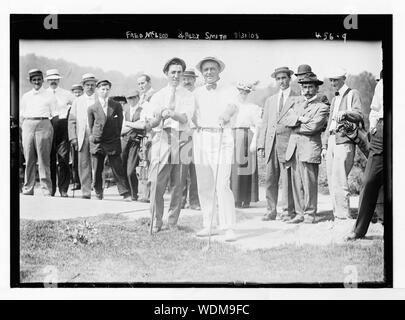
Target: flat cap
(174,60)
(101,82)
(282,69)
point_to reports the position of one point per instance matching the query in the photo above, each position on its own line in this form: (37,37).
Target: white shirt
(90,99)
(336,105)
(104,104)
(38,103)
(377,105)
(184,103)
(286,94)
(64,100)
(248,115)
(211,104)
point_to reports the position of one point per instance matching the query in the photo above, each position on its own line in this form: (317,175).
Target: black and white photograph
(208,151)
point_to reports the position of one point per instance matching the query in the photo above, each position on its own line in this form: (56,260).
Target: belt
(211,129)
(37,118)
(240,128)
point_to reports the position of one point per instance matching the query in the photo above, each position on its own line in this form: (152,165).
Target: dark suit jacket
(272,126)
(105,130)
(305,138)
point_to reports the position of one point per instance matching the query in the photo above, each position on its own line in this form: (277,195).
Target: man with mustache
(79,132)
(173,108)
(307,120)
(38,107)
(338,149)
(60,169)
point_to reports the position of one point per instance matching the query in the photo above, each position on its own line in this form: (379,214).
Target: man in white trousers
(215,111)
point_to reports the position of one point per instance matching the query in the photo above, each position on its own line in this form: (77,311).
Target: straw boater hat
(88,77)
(310,78)
(337,73)
(245,86)
(34,72)
(220,63)
(282,69)
(190,73)
(100,82)
(52,74)
(174,60)
(77,87)
(303,69)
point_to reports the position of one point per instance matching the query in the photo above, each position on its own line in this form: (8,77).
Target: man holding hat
(307,119)
(190,188)
(132,133)
(77,91)
(272,144)
(61,148)
(79,132)
(215,116)
(38,107)
(338,149)
(105,123)
(173,108)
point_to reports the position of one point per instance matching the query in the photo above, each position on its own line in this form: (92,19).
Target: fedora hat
(34,72)
(310,78)
(100,82)
(174,60)
(190,73)
(303,69)
(220,63)
(282,69)
(52,74)
(88,77)
(77,87)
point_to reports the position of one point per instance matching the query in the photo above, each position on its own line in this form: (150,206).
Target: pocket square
(116,116)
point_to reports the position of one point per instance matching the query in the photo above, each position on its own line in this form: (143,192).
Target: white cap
(52,74)
(337,73)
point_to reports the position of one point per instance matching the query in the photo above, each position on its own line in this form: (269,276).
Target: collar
(312,99)
(38,91)
(101,101)
(90,97)
(217,83)
(343,89)
(53,90)
(286,92)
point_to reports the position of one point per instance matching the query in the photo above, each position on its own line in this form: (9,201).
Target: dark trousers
(117,169)
(190,186)
(75,167)
(372,181)
(130,160)
(60,170)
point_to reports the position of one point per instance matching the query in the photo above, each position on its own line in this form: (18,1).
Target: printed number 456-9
(330,36)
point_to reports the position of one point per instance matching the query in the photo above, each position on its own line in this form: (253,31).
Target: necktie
(172,100)
(281,103)
(337,93)
(211,86)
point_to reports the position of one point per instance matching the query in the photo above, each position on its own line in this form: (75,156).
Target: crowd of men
(180,138)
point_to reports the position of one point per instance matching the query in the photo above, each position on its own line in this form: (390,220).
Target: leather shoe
(351,237)
(99,196)
(144,200)
(269,217)
(28,193)
(309,219)
(86,197)
(156,229)
(287,217)
(296,219)
(195,207)
(76,186)
(64,194)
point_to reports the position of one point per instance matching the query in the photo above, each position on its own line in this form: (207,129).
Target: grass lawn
(113,248)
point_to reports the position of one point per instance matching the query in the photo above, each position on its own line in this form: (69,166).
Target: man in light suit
(79,132)
(272,144)
(338,149)
(307,119)
(105,123)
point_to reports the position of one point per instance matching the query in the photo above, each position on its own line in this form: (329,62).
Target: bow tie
(211,86)
(36,91)
(337,94)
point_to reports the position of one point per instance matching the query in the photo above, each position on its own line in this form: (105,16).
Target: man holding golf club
(213,148)
(173,109)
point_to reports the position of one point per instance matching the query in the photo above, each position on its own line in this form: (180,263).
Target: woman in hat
(244,174)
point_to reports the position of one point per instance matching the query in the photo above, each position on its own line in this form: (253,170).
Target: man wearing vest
(338,149)
(272,144)
(132,133)
(79,132)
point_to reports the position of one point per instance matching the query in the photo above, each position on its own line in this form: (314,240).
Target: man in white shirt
(338,149)
(79,133)
(373,177)
(77,90)
(174,106)
(215,114)
(38,107)
(61,147)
